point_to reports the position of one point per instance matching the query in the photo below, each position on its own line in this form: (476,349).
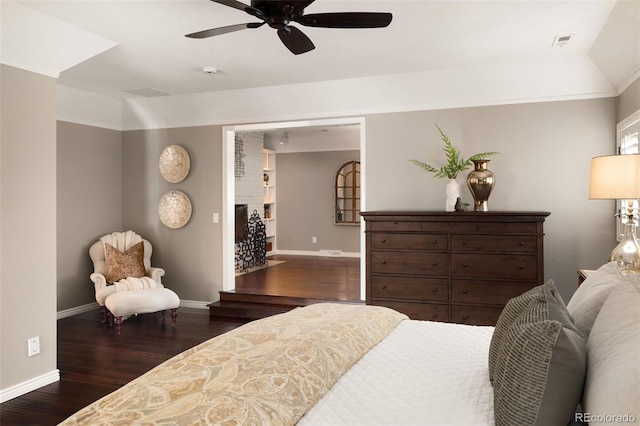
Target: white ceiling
(151,51)
(313,138)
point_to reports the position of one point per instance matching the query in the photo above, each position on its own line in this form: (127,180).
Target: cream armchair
(116,290)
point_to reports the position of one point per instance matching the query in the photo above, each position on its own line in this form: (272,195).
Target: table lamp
(617,177)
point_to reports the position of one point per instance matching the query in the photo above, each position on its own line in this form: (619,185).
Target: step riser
(257,298)
(250,311)
(255,306)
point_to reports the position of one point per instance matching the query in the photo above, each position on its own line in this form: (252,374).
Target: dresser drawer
(418,311)
(519,267)
(508,243)
(395,226)
(476,315)
(487,292)
(409,241)
(411,263)
(508,227)
(458,227)
(409,288)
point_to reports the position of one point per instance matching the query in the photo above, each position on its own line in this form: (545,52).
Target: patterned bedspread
(270,371)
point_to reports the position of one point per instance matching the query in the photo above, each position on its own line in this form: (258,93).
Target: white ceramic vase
(453,192)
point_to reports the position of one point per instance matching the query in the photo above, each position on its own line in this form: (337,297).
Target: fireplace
(242,222)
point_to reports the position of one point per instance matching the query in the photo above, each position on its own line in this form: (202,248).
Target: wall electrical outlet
(314,240)
(33,346)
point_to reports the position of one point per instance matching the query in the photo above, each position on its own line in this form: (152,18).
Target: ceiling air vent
(561,40)
(147,92)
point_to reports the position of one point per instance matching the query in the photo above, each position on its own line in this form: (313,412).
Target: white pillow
(586,302)
(612,386)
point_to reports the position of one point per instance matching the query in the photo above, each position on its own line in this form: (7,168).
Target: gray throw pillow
(540,370)
(612,384)
(512,313)
(586,302)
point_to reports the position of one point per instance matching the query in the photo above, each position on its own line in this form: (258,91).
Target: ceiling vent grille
(561,40)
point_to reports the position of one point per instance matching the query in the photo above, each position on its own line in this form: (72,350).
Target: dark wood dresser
(458,267)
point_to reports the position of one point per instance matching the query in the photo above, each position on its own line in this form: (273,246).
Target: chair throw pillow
(129,263)
(510,314)
(540,369)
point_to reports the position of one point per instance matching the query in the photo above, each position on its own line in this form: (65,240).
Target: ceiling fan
(279,14)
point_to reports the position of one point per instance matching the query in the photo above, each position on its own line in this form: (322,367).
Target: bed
(340,364)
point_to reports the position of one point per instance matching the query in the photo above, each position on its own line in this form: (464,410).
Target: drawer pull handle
(465,317)
(434,290)
(383,241)
(434,241)
(434,316)
(521,243)
(434,264)
(465,242)
(521,266)
(383,262)
(465,265)
(465,291)
(383,286)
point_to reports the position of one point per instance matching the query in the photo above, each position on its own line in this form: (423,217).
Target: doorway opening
(228,222)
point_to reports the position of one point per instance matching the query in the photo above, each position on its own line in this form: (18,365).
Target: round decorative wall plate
(174,163)
(174,209)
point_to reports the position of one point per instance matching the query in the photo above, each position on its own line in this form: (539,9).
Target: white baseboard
(30,385)
(329,253)
(77,310)
(197,304)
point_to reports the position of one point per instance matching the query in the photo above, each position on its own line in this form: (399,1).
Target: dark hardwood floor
(94,361)
(312,277)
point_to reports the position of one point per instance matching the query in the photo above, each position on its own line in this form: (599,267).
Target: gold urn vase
(480,182)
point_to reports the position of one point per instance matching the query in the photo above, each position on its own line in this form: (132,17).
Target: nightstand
(583,274)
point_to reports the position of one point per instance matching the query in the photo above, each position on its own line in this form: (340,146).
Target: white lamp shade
(615,177)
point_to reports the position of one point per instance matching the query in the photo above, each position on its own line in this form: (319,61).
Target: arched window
(347,209)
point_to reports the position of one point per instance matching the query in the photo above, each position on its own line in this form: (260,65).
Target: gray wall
(306,201)
(629,101)
(27,225)
(89,204)
(544,163)
(191,255)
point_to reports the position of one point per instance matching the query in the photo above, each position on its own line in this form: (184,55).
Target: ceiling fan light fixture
(284,140)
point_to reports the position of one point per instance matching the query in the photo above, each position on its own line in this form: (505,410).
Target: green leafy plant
(455,162)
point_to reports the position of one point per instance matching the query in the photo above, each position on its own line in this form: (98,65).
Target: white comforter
(423,373)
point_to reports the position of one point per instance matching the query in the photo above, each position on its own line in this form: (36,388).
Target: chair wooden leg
(103,314)
(118,324)
(174,316)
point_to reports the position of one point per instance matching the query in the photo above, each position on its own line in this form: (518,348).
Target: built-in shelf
(269,198)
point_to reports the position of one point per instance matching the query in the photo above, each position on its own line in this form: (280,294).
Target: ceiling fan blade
(295,40)
(223,30)
(241,6)
(345,20)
